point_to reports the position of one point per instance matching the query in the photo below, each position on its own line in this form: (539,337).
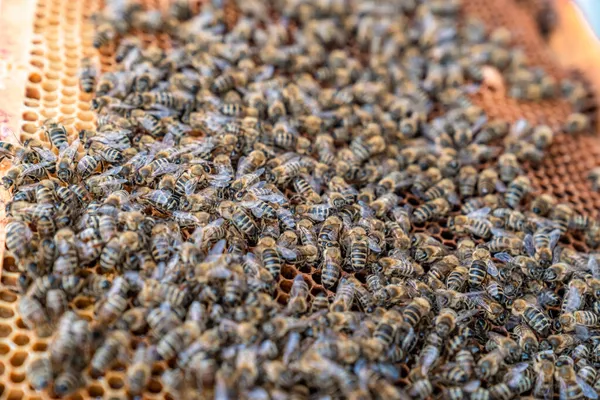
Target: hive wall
(63,35)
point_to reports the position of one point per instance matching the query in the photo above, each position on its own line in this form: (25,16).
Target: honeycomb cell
(95,390)
(5,330)
(15,394)
(32,93)
(115,382)
(154,386)
(18,358)
(16,377)
(21,340)
(39,346)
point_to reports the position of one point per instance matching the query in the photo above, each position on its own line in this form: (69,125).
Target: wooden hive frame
(38,80)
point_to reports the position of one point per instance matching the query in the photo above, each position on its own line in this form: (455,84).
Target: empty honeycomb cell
(39,346)
(115,382)
(154,386)
(10,281)
(49,86)
(283,298)
(71,82)
(21,340)
(32,93)
(67,110)
(15,394)
(285,285)
(82,303)
(7,297)
(95,390)
(18,358)
(68,100)
(30,116)
(16,377)
(50,98)
(288,271)
(52,75)
(6,312)
(5,330)
(20,324)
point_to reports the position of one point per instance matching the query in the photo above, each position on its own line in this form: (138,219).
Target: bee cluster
(319,143)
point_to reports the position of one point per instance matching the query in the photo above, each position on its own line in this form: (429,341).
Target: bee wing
(588,391)
(287,253)
(273,198)
(492,269)
(32,168)
(480,123)
(165,169)
(45,154)
(112,171)
(374,246)
(519,129)
(221,179)
(529,245)
(218,248)
(186,216)
(554,238)
(500,186)
(481,213)
(190,186)
(157,194)
(472,386)
(466,315)
(573,300)
(556,254)
(252,205)
(453,198)
(265,73)
(70,151)
(592,266)
(365,210)
(582,332)
(112,182)
(504,257)
(503,233)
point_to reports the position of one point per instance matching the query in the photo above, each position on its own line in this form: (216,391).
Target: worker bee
(475,223)
(516,190)
(298,302)
(508,167)
(113,348)
(330,272)
(543,204)
(577,123)
(480,267)
(39,372)
(541,244)
(532,315)
(431,210)
(467,180)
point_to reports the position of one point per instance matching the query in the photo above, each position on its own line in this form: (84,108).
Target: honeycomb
(63,34)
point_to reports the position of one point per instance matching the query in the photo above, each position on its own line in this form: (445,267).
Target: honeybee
(139,373)
(467,179)
(532,315)
(113,348)
(577,123)
(543,204)
(344,296)
(571,385)
(508,167)
(331,269)
(516,190)
(431,210)
(298,302)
